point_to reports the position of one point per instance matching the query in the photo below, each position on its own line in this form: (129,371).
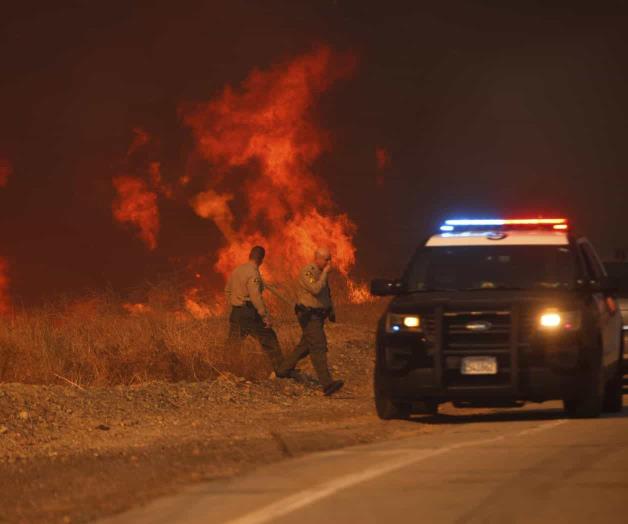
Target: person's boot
(332,387)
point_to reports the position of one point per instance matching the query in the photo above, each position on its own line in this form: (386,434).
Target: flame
(140,139)
(137,205)
(195,307)
(136,308)
(358,293)
(5,302)
(261,142)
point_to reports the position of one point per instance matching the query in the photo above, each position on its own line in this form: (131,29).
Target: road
(527,465)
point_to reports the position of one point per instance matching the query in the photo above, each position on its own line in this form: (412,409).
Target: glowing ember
(261,142)
(137,205)
(5,302)
(382,158)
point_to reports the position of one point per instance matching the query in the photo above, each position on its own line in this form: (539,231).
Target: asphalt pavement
(525,465)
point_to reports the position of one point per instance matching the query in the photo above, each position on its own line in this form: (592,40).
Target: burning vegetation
(250,175)
(256,144)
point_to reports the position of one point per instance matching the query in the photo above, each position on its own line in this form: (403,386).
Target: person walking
(313,308)
(249,314)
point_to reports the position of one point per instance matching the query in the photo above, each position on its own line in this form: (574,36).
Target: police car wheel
(588,402)
(426,407)
(387,408)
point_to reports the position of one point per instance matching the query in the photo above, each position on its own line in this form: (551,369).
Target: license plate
(478,366)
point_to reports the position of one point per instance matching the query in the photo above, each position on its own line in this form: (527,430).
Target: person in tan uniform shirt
(249,314)
(314,306)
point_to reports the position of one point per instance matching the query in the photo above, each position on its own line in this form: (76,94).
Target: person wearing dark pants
(245,321)
(249,314)
(313,308)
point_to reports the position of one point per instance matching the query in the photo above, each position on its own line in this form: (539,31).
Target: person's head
(257,255)
(322,257)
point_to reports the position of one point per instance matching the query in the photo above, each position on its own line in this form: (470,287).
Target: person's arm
(309,281)
(253,285)
(332,311)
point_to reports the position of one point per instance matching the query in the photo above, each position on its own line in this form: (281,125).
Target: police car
(499,312)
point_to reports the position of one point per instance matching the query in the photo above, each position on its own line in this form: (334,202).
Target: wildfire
(261,143)
(136,308)
(137,205)
(358,293)
(195,307)
(255,145)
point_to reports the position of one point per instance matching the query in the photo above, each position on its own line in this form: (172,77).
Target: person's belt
(319,311)
(247,303)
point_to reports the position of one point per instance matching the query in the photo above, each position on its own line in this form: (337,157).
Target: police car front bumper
(534,384)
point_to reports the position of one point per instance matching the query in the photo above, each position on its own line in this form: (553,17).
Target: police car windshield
(491,267)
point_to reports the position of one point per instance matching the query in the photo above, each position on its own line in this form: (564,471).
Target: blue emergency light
(533,223)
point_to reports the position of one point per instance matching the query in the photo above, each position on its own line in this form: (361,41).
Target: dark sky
(484,109)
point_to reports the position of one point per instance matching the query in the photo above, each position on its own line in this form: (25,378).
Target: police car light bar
(555,223)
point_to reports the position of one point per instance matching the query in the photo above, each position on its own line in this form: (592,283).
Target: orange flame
(140,139)
(358,293)
(5,302)
(136,205)
(199,310)
(261,142)
(136,308)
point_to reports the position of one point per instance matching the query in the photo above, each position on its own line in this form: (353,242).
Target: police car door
(610,318)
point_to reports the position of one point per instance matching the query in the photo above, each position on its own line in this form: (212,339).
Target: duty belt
(318,311)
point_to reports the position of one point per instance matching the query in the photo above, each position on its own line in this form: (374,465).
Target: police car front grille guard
(506,326)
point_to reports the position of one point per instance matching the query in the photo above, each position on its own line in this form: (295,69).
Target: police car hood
(483,300)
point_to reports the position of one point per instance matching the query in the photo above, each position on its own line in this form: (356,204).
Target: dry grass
(96,342)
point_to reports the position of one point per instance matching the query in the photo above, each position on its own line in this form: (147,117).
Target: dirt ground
(70,454)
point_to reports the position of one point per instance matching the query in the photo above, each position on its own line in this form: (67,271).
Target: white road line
(309,496)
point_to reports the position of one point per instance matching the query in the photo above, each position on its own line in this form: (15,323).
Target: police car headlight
(396,323)
(553,319)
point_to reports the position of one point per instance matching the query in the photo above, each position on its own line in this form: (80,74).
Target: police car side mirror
(381,287)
